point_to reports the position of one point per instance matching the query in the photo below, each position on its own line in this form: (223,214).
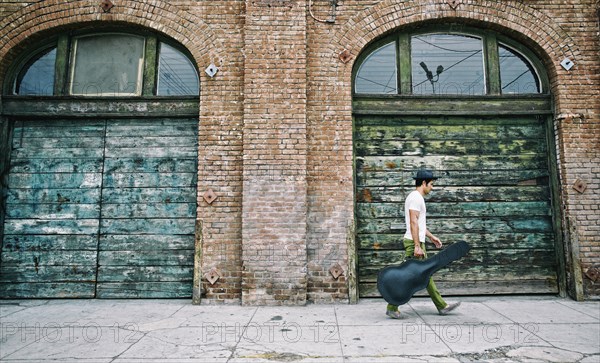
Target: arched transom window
(447,63)
(106,64)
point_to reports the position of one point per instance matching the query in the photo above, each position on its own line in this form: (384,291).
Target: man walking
(415,215)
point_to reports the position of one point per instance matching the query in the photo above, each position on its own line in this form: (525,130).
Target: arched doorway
(101,175)
(475,107)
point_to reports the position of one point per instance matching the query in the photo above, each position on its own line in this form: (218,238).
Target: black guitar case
(397,284)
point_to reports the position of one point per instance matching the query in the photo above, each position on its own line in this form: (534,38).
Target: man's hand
(436,241)
(419,251)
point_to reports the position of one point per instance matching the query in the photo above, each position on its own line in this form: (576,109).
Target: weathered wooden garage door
(100,209)
(493,193)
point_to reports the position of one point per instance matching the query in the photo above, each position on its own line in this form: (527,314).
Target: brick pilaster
(274,188)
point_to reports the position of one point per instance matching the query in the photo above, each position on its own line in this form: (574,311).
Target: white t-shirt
(415,201)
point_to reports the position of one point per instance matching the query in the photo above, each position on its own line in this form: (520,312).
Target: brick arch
(43,16)
(515,18)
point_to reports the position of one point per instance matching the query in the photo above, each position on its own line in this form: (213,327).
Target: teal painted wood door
(102,208)
(494,193)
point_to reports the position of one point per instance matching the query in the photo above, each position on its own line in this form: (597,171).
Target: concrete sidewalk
(492,329)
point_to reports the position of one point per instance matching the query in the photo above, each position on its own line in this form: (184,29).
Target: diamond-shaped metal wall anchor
(336,270)
(593,273)
(106,5)
(567,64)
(209,196)
(345,56)
(454,3)
(211,70)
(580,186)
(212,276)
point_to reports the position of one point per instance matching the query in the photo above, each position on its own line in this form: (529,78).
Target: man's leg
(409,250)
(432,290)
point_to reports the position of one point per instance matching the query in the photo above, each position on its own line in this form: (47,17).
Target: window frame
(484,67)
(491,67)
(72,66)
(64,64)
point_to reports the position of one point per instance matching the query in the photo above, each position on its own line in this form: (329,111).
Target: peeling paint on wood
(100,208)
(481,197)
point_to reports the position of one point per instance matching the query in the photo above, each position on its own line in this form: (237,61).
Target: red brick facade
(275,124)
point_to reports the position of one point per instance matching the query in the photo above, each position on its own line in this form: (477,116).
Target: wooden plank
(53,211)
(144,226)
(534,224)
(452,105)
(146,258)
(67,153)
(59,141)
(42,290)
(145,242)
(60,107)
(451,147)
(476,240)
(36,259)
(178,152)
(149,210)
(367,134)
(70,273)
(56,165)
(145,180)
(456,209)
(501,177)
(50,226)
(456,194)
(149,195)
(447,162)
(401,121)
(145,165)
(119,133)
(145,290)
(164,139)
(59,129)
(54,196)
(175,273)
(21,243)
(53,180)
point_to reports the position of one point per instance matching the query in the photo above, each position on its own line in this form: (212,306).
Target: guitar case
(397,284)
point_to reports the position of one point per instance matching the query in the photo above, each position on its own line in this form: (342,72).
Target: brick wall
(275,126)
(274,201)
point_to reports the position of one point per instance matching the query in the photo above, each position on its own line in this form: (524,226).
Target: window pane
(377,74)
(447,64)
(37,78)
(108,65)
(516,73)
(176,74)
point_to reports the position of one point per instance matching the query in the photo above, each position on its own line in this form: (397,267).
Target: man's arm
(436,241)
(414,231)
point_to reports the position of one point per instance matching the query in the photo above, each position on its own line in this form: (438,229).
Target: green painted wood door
(494,193)
(102,208)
